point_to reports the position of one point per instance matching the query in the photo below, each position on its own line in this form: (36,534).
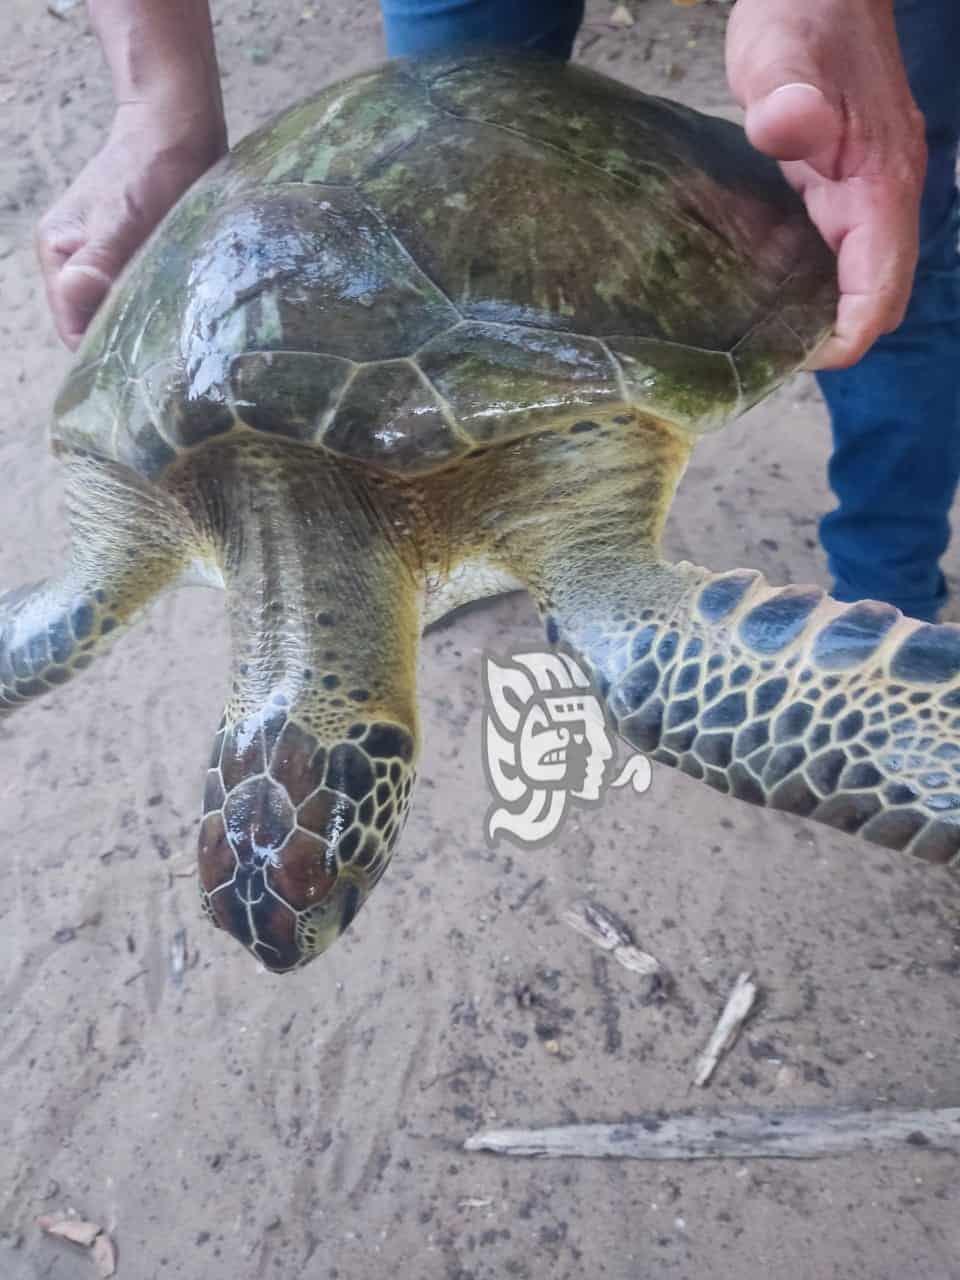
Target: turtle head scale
(297,830)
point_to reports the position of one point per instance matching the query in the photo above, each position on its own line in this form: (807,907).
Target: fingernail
(797,84)
(92,273)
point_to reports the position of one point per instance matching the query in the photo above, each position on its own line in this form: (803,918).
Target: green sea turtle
(444,329)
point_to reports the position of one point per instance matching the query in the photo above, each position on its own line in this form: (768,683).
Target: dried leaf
(621,17)
(73,1229)
(104,1254)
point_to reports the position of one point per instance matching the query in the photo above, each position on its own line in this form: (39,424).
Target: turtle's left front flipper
(129,541)
(848,714)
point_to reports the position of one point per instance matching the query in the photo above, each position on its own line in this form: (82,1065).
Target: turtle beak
(280,938)
(327,921)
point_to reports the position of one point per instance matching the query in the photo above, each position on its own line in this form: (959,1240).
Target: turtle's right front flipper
(129,542)
(846,714)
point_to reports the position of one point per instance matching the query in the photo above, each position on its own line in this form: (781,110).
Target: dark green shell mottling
(441,254)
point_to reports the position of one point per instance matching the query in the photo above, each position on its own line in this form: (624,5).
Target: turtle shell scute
(685,384)
(86,409)
(338,134)
(502,382)
(287,393)
(390,418)
(188,417)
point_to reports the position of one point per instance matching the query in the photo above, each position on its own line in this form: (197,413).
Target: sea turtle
(444,329)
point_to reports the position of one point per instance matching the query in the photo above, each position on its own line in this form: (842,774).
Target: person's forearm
(161,53)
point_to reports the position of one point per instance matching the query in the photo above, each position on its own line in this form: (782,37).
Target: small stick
(735,1013)
(607,931)
(803,1133)
(178,956)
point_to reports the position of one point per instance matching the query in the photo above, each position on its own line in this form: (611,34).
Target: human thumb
(791,112)
(82,286)
(795,121)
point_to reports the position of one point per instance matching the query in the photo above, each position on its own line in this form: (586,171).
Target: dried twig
(735,1013)
(800,1134)
(178,956)
(607,931)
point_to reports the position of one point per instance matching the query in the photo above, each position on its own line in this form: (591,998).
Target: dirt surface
(224,1124)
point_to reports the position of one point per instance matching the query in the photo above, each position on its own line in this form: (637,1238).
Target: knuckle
(846,357)
(54,234)
(914,122)
(915,147)
(886,320)
(839,353)
(892,319)
(893,148)
(44,232)
(900,170)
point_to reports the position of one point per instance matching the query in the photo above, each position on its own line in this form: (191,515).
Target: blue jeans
(895,415)
(424,26)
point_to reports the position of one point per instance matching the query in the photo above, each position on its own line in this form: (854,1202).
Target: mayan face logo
(545,743)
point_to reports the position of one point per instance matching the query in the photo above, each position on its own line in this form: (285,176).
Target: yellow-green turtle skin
(443,329)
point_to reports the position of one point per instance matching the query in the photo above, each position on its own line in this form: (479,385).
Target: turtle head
(298,830)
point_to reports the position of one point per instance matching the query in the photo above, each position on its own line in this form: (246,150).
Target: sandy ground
(225,1124)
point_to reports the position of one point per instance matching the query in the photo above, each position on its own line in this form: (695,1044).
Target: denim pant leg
(896,414)
(426,26)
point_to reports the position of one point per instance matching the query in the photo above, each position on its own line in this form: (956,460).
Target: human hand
(826,94)
(84,240)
